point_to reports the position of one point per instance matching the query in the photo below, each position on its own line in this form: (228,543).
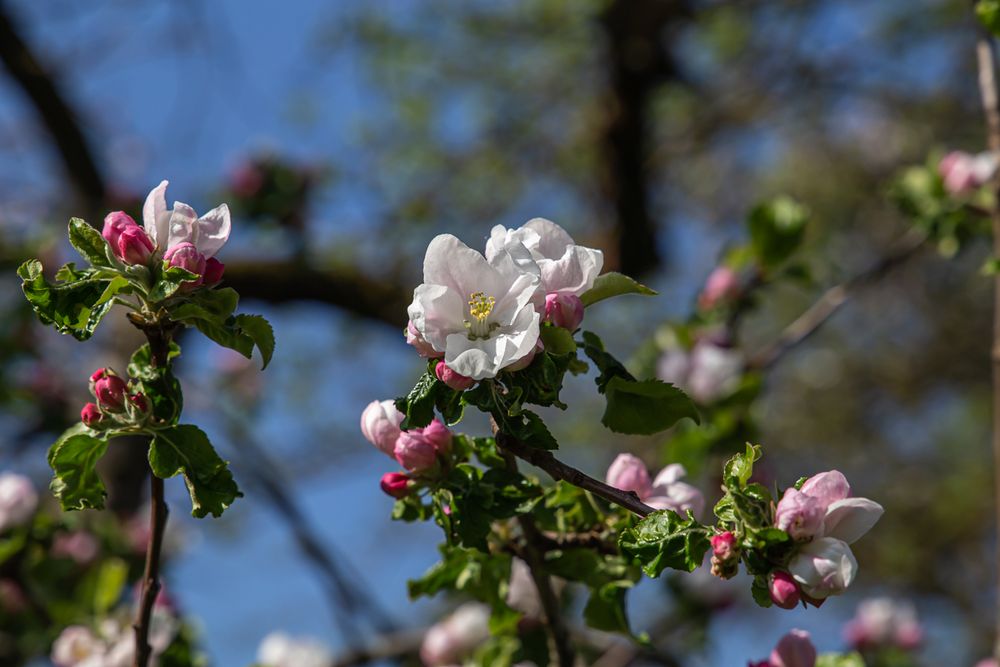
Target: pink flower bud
(134,245)
(90,414)
(451,378)
(110,392)
(423,348)
(380,425)
(784,591)
(628,473)
(188,257)
(395,484)
(794,650)
(415,451)
(723,545)
(213,271)
(438,435)
(139,401)
(564,310)
(722,284)
(115,223)
(800,515)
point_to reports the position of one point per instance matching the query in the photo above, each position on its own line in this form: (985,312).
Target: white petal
(155,215)
(552,239)
(181,228)
(670,474)
(212,230)
(851,518)
(572,273)
(451,263)
(437,312)
(477,359)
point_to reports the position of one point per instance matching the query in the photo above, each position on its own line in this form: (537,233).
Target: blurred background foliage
(345,135)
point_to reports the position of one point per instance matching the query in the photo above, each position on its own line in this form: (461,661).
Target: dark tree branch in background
(986,58)
(638,62)
(833,299)
(57,116)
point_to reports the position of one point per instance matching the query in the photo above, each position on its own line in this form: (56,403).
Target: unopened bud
(784,591)
(415,451)
(724,546)
(454,380)
(395,484)
(213,271)
(188,257)
(134,246)
(91,414)
(110,392)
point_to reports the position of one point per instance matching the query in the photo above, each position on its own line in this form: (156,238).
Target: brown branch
(833,299)
(159,347)
(558,470)
(45,96)
(986,58)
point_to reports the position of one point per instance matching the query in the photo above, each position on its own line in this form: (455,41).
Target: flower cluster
(482,313)
(419,450)
(708,371)
(176,236)
(119,402)
(883,623)
(823,519)
(665,492)
(113,642)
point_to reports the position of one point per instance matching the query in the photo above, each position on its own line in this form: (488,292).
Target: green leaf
(73,458)
(159,384)
(111,580)
(645,407)
(185,450)
(213,305)
(418,405)
(663,539)
(988,12)
(226,335)
(606,610)
(608,366)
(483,576)
(75,307)
(738,470)
(777,228)
(558,340)
(612,284)
(89,243)
(260,331)
(837,660)
(761,592)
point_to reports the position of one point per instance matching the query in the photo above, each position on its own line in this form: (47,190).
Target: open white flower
(824,567)
(169,228)
(565,267)
(482,314)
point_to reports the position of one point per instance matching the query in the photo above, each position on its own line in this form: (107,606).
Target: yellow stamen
(480,305)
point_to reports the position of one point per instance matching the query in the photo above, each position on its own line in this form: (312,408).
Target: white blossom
(171,227)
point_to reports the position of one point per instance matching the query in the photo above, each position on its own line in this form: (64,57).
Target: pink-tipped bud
(139,401)
(134,245)
(115,223)
(380,425)
(724,545)
(110,392)
(785,592)
(213,271)
(188,257)
(564,310)
(451,378)
(722,284)
(91,414)
(438,435)
(415,451)
(395,484)
(794,650)
(419,343)
(97,375)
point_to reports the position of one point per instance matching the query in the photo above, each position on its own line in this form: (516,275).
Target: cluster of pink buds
(116,402)
(419,450)
(725,555)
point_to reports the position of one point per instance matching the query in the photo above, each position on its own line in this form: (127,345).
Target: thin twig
(159,346)
(986,59)
(833,299)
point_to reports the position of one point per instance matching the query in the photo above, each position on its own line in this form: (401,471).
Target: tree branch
(833,299)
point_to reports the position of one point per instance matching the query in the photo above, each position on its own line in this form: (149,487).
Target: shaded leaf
(645,407)
(185,450)
(612,284)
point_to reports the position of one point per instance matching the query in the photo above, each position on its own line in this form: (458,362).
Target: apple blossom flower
(566,268)
(783,589)
(395,484)
(423,348)
(415,451)
(455,637)
(670,493)
(380,425)
(90,414)
(800,515)
(963,172)
(883,622)
(824,567)
(484,315)
(438,435)
(79,546)
(281,650)
(451,378)
(77,645)
(564,310)
(708,372)
(795,649)
(721,285)
(665,492)
(843,517)
(18,500)
(628,473)
(170,228)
